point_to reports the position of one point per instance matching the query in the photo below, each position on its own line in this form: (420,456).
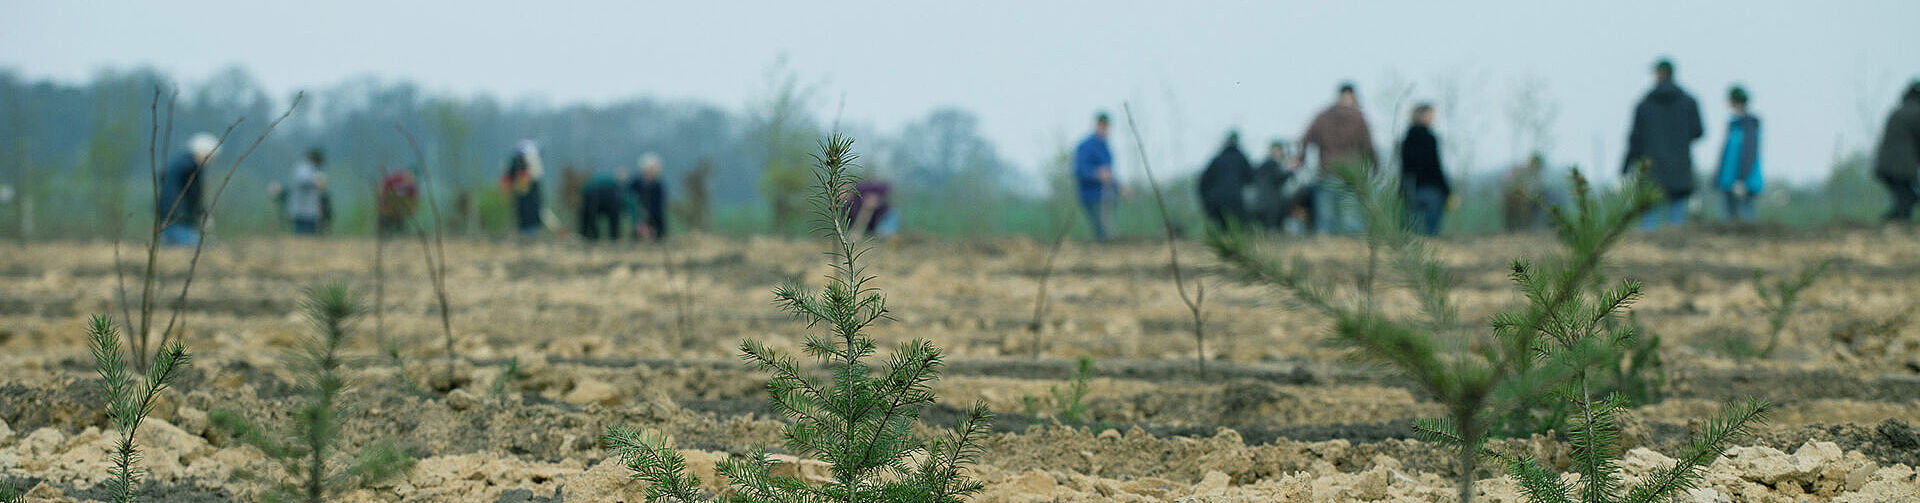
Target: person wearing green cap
(1665,125)
(1898,161)
(1739,178)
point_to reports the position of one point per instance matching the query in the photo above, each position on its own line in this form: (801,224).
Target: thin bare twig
(1195,301)
(207,212)
(436,253)
(1040,300)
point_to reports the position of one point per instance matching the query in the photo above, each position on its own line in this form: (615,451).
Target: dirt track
(615,335)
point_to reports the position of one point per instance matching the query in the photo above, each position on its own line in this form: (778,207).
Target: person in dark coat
(1421,177)
(1665,125)
(1897,163)
(650,199)
(1223,184)
(1739,175)
(1271,206)
(178,208)
(522,185)
(601,203)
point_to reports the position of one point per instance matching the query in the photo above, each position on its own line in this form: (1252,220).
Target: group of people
(1284,192)
(1287,193)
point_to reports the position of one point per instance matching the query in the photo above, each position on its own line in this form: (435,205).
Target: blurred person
(1341,137)
(1739,179)
(178,208)
(399,196)
(869,209)
(1223,184)
(601,201)
(1897,163)
(305,193)
(1523,201)
(1271,206)
(521,183)
(650,199)
(1093,172)
(1665,125)
(1422,178)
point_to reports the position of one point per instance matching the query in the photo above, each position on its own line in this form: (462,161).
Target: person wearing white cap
(178,208)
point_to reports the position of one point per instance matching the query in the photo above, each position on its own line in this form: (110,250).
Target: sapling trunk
(1040,300)
(435,252)
(1198,299)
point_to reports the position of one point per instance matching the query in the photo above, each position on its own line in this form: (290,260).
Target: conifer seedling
(858,418)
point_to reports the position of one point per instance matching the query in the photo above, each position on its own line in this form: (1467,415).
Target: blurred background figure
(306,194)
(1223,184)
(1271,204)
(650,198)
(601,202)
(1739,178)
(1523,201)
(1897,163)
(399,196)
(1421,176)
(1093,172)
(869,209)
(521,183)
(1340,137)
(1665,125)
(178,208)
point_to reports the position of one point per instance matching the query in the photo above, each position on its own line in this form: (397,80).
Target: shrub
(306,448)
(858,421)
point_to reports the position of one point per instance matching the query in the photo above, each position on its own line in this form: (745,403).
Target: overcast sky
(1823,74)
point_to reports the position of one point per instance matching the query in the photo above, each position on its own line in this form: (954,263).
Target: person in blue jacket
(1739,178)
(178,208)
(1093,173)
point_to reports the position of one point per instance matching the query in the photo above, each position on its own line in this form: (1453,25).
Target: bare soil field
(647,335)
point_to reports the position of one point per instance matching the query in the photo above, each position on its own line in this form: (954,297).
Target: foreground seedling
(306,448)
(1474,374)
(858,420)
(129,402)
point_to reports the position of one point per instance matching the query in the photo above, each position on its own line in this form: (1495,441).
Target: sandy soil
(646,336)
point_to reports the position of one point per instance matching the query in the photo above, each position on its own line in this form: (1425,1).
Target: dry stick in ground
(206,213)
(1198,299)
(436,252)
(1040,300)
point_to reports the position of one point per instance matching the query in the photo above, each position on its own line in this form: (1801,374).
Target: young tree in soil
(858,420)
(1532,349)
(1196,301)
(307,449)
(129,402)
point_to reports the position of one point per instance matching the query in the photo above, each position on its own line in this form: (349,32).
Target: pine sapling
(1471,373)
(858,419)
(1073,406)
(307,448)
(129,402)
(1781,297)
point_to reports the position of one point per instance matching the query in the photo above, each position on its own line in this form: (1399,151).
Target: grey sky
(1822,73)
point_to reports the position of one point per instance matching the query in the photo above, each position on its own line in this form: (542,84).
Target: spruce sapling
(1781,297)
(8,494)
(858,420)
(1470,373)
(307,448)
(129,402)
